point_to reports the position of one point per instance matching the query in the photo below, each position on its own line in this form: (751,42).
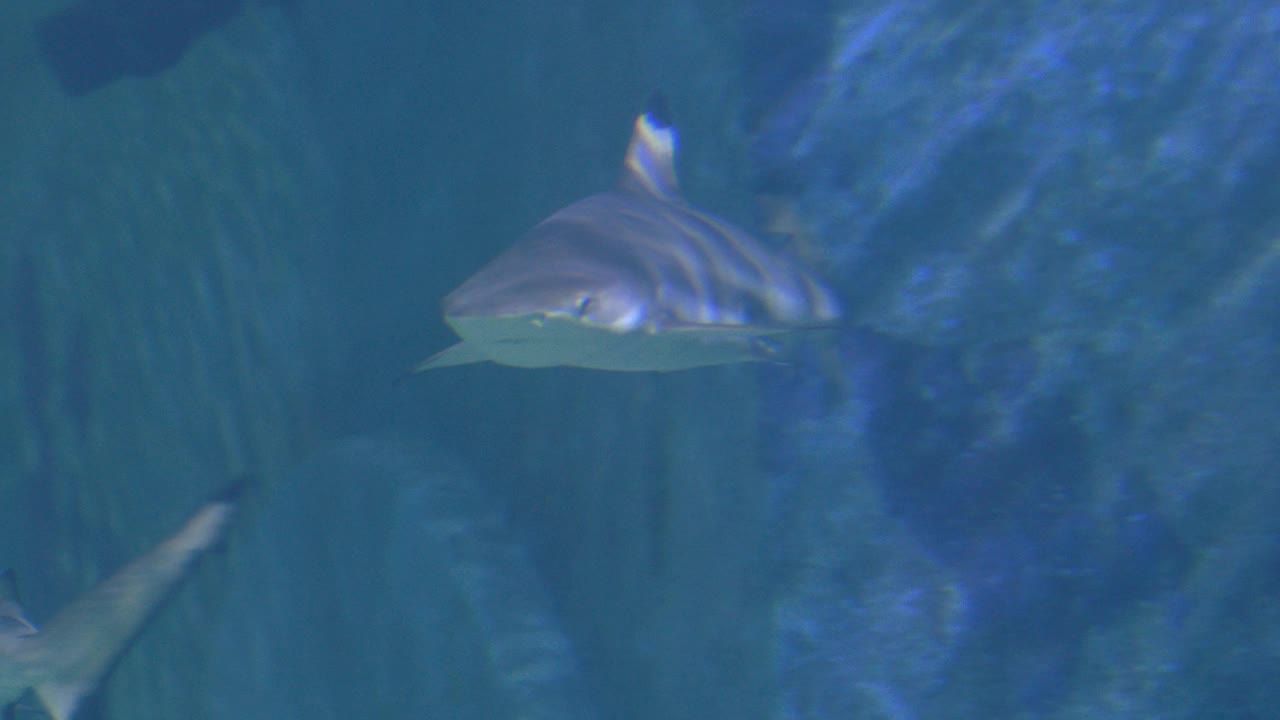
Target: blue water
(1030,476)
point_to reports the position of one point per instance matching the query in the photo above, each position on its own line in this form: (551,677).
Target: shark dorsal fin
(650,167)
(81,643)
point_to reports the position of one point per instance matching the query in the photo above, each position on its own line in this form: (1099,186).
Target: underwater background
(1032,476)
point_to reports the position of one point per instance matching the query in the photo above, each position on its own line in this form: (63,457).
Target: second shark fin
(80,644)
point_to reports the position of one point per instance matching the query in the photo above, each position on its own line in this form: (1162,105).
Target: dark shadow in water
(95,42)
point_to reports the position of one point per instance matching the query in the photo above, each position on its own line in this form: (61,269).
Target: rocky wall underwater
(1046,489)
(1027,475)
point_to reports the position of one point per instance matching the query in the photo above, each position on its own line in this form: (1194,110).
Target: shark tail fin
(81,643)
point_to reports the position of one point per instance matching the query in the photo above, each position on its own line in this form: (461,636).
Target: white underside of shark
(548,340)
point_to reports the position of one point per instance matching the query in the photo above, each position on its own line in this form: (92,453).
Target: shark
(634,279)
(67,659)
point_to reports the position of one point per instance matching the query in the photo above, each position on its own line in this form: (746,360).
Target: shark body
(636,279)
(67,659)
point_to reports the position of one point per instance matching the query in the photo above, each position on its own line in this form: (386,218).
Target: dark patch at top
(658,110)
(96,42)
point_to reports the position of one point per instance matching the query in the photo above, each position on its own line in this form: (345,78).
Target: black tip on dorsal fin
(658,110)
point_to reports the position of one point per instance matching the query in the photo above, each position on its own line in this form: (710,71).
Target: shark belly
(531,342)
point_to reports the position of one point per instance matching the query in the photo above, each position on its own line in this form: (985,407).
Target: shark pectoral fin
(459,354)
(60,700)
